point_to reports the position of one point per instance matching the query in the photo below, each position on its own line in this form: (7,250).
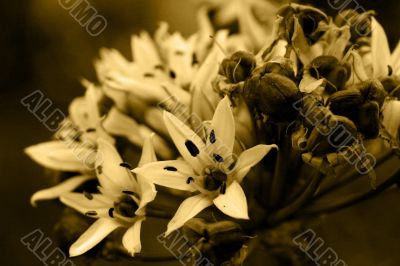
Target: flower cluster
(249,127)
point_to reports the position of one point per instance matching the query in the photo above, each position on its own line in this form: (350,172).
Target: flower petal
(172,174)
(56,191)
(147,189)
(233,202)
(391,117)
(223,129)
(131,238)
(111,175)
(82,204)
(58,156)
(92,236)
(249,158)
(188,209)
(119,124)
(189,144)
(379,49)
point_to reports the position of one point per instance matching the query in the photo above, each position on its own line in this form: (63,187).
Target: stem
(280,173)
(351,176)
(355,199)
(295,205)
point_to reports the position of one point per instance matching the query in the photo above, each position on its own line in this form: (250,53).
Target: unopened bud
(238,67)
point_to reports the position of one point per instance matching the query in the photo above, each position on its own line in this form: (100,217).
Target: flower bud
(391,85)
(368,121)
(238,67)
(309,19)
(329,67)
(273,95)
(346,103)
(373,91)
(282,67)
(218,242)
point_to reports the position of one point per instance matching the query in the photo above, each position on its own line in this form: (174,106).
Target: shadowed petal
(379,49)
(60,189)
(131,238)
(249,158)
(233,202)
(391,117)
(188,209)
(172,174)
(92,236)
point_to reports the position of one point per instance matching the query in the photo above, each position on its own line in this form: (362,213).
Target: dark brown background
(44,48)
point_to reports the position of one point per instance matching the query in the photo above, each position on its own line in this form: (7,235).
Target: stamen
(192,148)
(148,75)
(88,195)
(90,130)
(190,179)
(170,168)
(91,213)
(111,212)
(126,165)
(172,74)
(99,169)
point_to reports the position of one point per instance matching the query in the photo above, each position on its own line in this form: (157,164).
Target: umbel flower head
(209,168)
(121,202)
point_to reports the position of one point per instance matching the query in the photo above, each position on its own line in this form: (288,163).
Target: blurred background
(43,47)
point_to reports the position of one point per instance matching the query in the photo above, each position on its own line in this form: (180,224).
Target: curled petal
(92,236)
(188,209)
(131,238)
(173,174)
(60,189)
(249,158)
(233,202)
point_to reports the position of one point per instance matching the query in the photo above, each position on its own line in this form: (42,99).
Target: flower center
(214,179)
(126,206)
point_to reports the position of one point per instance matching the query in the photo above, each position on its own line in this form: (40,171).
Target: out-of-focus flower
(121,202)
(209,168)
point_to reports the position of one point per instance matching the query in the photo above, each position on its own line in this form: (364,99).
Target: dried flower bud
(368,121)
(274,95)
(329,67)
(373,91)
(346,103)
(283,67)
(218,242)
(390,83)
(309,19)
(238,67)
(360,23)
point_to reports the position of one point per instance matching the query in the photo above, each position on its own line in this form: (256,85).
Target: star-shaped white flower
(209,168)
(121,202)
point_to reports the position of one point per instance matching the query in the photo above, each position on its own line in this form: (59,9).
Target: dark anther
(91,213)
(90,130)
(172,74)
(218,158)
(148,75)
(126,165)
(190,179)
(111,212)
(212,136)
(88,195)
(99,169)
(170,168)
(194,151)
